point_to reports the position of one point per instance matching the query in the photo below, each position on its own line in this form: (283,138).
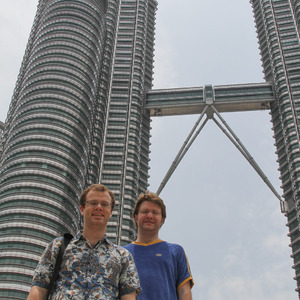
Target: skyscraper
(277,24)
(79,115)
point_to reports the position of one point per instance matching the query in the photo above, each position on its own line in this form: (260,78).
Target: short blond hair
(151,197)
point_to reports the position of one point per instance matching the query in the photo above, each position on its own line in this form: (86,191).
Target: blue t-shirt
(162,268)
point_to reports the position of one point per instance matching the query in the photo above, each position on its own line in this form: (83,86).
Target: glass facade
(226,98)
(78,116)
(53,127)
(277,23)
(125,156)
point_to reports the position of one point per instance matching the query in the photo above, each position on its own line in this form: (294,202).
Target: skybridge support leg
(239,145)
(186,145)
(210,110)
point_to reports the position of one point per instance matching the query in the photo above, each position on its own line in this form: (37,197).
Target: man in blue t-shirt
(163,267)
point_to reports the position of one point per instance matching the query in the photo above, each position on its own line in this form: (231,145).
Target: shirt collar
(79,237)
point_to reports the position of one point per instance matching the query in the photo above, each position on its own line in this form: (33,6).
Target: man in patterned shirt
(92,267)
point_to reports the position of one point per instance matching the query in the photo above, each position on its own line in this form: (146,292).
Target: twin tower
(80,114)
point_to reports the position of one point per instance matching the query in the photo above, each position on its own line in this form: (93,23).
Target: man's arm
(184,292)
(38,293)
(129,284)
(131,296)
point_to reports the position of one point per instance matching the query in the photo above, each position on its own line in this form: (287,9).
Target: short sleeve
(129,279)
(43,272)
(184,270)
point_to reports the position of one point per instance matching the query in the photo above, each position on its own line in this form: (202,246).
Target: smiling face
(96,215)
(149,218)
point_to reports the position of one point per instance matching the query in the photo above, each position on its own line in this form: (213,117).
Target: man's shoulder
(128,246)
(58,240)
(176,248)
(175,245)
(121,250)
(55,243)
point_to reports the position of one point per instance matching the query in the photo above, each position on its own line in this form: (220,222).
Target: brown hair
(151,197)
(97,188)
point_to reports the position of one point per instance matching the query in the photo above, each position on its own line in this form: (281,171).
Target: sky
(218,208)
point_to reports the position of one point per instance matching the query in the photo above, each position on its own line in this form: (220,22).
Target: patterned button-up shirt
(104,272)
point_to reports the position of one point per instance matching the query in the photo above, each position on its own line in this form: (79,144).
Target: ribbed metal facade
(77,117)
(278,27)
(51,132)
(125,157)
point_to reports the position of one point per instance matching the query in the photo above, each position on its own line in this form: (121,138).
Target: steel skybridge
(225,98)
(212,100)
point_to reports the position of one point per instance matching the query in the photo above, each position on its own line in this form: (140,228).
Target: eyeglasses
(96,203)
(153,212)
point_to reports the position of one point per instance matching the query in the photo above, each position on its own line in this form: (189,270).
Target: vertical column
(124,164)
(278,33)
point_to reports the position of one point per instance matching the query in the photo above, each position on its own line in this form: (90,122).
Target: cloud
(246,287)
(276,244)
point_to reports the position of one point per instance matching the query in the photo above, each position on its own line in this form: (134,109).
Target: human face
(95,216)
(149,218)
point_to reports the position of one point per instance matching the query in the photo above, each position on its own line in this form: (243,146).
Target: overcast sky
(218,208)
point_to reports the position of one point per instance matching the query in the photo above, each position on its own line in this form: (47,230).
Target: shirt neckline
(148,244)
